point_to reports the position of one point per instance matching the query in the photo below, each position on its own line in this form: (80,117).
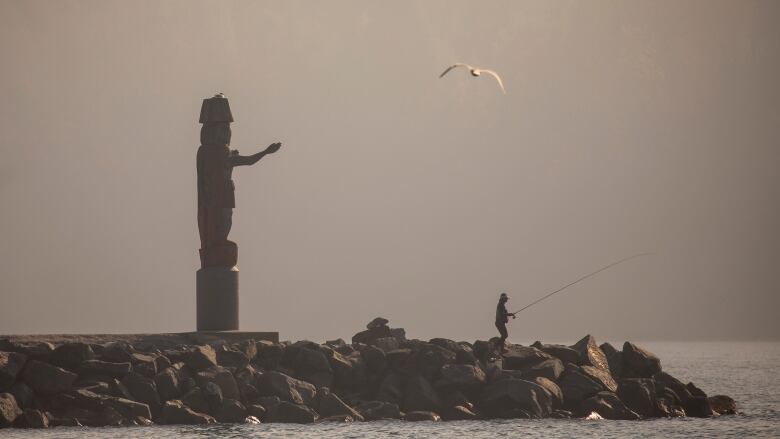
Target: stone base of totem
(217,299)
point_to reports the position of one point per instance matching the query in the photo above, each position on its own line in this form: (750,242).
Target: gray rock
(313,366)
(232,358)
(522,358)
(70,355)
(144,364)
(419,395)
(9,410)
(231,411)
(46,379)
(213,395)
(390,389)
(116,352)
(11,363)
(503,399)
(175,412)
(723,405)
(561,352)
(287,412)
(402,361)
(375,360)
(41,351)
(199,357)
(268,354)
(369,335)
(386,344)
(377,322)
(463,376)
(143,389)
(600,376)
(32,418)
(167,383)
(639,395)
(286,388)
(576,386)
(639,363)
(103,368)
(22,393)
(376,410)
(252,420)
(256,410)
(664,382)
(699,407)
(550,369)
(349,371)
(196,400)
(417,416)
(429,359)
(329,404)
(590,353)
(222,378)
(614,359)
(555,392)
(608,406)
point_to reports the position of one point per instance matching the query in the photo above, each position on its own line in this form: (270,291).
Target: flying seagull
(476,72)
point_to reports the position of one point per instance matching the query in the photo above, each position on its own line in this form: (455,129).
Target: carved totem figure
(216,191)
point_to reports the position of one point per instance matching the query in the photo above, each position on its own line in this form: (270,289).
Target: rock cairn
(380,375)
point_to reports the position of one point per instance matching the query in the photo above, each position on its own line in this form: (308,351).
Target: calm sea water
(748,372)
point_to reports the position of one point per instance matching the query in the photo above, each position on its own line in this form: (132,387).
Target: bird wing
(495,75)
(453,66)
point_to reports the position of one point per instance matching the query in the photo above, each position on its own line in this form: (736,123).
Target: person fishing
(502,318)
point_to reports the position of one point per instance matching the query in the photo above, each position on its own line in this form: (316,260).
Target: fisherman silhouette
(502,318)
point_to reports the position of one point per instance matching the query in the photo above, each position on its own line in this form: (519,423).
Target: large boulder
(577,386)
(46,379)
(11,363)
(231,411)
(699,407)
(94,402)
(419,395)
(666,383)
(639,395)
(286,388)
(144,364)
(723,405)
(377,323)
(430,358)
(9,410)
(32,418)
(559,351)
(550,369)
(614,359)
(369,335)
(167,383)
(287,412)
(90,368)
(601,376)
(374,359)
(198,357)
(117,352)
(376,410)
(522,358)
(329,404)
(402,361)
(609,406)
(313,366)
(70,355)
(23,393)
(175,412)
(506,398)
(390,389)
(349,371)
(269,354)
(463,377)
(639,363)
(555,392)
(143,389)
(590,353)
(196,400)
(223,378)
(232,357)
(41,351)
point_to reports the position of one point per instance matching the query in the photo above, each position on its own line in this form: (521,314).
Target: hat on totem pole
(215,109)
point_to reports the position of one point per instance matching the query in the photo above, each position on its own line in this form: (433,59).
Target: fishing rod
(581,279)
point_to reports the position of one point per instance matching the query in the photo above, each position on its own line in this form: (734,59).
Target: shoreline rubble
(379,375)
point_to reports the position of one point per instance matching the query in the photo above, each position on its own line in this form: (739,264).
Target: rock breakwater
(379,375)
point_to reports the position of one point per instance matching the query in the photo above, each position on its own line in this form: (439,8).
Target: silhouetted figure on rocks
(502,318)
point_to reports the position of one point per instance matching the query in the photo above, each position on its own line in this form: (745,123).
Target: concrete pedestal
(217,299)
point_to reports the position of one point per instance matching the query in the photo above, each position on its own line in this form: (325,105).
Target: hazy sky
(626,127)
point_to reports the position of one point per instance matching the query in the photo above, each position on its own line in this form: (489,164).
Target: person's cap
(504,296)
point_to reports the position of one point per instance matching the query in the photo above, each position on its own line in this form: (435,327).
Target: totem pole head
(216,117)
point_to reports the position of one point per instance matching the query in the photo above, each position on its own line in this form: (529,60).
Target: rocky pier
(379,375)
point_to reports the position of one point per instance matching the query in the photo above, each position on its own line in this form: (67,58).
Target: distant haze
(626,127)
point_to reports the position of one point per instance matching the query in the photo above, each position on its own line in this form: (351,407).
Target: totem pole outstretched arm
(241,160)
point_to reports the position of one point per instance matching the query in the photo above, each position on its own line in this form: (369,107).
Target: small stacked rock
(380,375)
